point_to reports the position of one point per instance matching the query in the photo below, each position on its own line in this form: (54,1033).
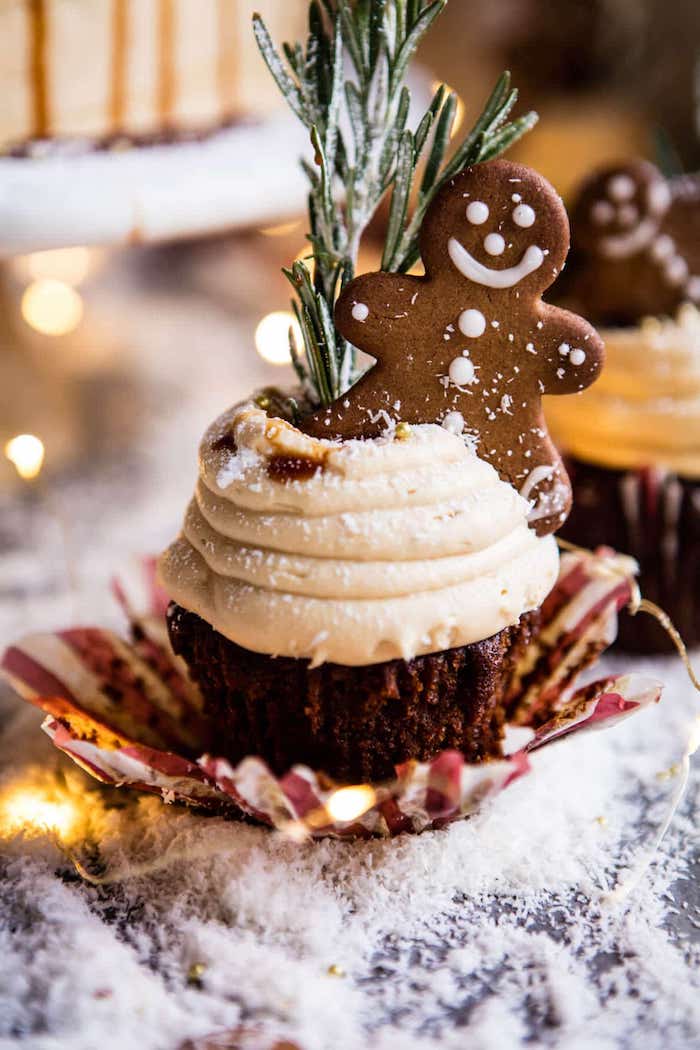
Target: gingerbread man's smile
(475,271)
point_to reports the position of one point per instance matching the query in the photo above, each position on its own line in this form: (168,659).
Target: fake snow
(491,933)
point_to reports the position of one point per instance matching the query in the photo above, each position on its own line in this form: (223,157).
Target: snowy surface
(495,933)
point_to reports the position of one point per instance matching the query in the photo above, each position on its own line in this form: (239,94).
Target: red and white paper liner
(127,714)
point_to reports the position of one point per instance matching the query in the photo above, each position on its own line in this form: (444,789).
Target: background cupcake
(634,441)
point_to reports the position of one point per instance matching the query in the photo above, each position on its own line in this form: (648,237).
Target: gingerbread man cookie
(471,345)
(636,244)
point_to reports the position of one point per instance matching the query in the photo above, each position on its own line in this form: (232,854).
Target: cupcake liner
(655,515)
(127,714)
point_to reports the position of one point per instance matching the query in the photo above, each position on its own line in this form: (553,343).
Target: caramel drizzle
(120,37)
(165,100)
(37,68)
(227,60)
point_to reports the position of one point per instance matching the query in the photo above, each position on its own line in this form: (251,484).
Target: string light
(272,336)
(26,453)
(34,810)
(348,803)
(52,307)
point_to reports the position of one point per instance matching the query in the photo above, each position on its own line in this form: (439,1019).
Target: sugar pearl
(577,356)
(360,311)
(472,323)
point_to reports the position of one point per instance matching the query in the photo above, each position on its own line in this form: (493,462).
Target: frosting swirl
(645,408)
(354,553)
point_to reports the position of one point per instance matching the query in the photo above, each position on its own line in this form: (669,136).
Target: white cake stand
(240,176)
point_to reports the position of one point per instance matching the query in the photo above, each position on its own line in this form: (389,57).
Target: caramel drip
(120,39)
(227,63)
(37,66)
(165,101)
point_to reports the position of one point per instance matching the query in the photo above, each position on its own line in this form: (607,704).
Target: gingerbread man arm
(570,353)
(374,308)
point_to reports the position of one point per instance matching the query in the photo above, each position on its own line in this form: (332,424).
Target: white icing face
(360,311)
(472,323)
(523,215)
(461,371)
(477,212)
(494,244)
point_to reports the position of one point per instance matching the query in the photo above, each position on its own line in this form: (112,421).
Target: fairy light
(35,810)
(348,803)
(459,110)
(272,336)
(52,307)
(26,453)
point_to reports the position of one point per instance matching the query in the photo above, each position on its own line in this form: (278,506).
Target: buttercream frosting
(644,409)
(354,552)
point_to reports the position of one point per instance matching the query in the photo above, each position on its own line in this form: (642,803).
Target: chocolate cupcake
(353,591)
(351,605)
(633,441)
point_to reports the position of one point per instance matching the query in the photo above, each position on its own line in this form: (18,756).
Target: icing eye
(494,244)
(477,212)
(621,187)
(523,215)
(602,213)
(472,323)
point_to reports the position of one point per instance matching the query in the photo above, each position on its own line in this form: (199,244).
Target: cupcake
(633,441)
(353,589)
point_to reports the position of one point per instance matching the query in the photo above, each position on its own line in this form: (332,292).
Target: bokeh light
(26,453)
(459,111)
(272,336)
(52,307)
(348,803)
(34,810)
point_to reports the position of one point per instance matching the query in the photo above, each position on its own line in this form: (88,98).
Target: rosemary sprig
(356,116)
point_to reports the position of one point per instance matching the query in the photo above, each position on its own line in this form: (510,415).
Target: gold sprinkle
(670,773)
(403,431)
(603,821)
(196,972)
(336,971)
(262,401)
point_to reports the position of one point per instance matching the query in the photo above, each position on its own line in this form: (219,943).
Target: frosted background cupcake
(633,441)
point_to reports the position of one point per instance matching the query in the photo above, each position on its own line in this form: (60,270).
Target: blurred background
(140,284)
